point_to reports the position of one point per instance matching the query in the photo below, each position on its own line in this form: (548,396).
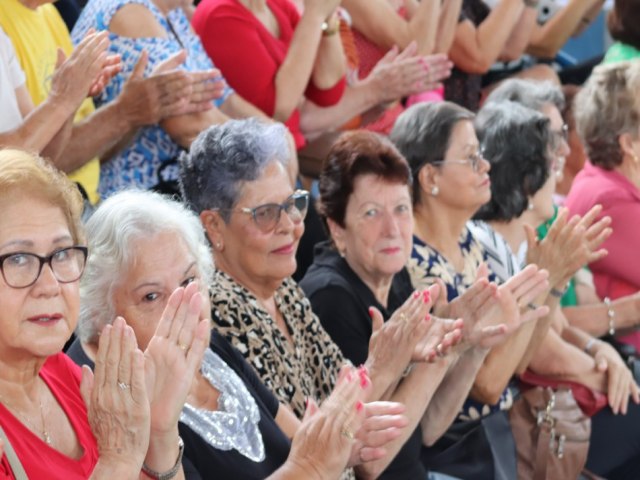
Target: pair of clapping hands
(167,91)
(135,398)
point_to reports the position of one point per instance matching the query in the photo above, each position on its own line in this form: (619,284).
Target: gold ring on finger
(403,317)
(346,432)
(182,347)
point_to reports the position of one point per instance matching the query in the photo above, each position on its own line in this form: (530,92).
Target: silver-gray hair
(608,106)
(226,156)
(111,232)
(529,93)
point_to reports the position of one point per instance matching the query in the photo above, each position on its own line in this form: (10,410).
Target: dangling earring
(530,205)
(435,190)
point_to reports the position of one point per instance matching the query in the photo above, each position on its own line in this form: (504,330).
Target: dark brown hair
(624,22)
(354,154)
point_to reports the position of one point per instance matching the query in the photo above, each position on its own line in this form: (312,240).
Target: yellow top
(36,36)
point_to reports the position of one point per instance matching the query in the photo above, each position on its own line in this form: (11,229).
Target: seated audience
(606,112)
(37,33)
(253,219)
(519,144)
(154,253)
(58,421)
(366,203)
(592,315)
(274,56)
(450,182)
(163,32)
(45,129)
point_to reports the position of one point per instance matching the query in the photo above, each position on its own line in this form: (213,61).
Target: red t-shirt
(38,459)
(249,56)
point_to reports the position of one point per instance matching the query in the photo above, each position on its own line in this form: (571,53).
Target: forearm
(183,129)
(539,330)
(415,392)
(594,318)
(423,26)
(549,38)
(330,65)
(40,128)
(109,469)
(293,75)
(500,365)
(489,38)
(357,99)
(559,359)
(163,453)
(449,14)
(237,107)
(94,136)
(520,35)
(451,395)
(56,146)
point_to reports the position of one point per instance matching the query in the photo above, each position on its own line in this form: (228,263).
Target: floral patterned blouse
(427,263)
(307,368)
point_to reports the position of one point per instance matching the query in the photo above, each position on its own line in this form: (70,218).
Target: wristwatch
(169,474)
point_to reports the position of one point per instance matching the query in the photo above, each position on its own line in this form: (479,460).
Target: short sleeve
(9,58)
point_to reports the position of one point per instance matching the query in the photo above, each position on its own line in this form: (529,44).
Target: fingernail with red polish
(427,317)
(371,312)
(359,406)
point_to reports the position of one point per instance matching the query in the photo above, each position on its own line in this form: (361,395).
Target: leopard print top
(308,368)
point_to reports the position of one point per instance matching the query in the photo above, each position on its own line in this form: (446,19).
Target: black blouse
(342,300)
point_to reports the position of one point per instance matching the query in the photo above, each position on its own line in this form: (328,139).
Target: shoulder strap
(14,461)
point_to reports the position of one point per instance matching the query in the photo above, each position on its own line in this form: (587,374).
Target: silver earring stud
(435,190)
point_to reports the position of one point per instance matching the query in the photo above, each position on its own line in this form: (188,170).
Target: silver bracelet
(611,315)
(169,474)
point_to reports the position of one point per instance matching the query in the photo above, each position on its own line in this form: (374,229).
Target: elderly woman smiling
(46,424)
(235,177)
(147,251)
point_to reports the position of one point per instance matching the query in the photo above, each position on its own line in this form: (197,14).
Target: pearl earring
(530,205)
(218,245)
(435,190)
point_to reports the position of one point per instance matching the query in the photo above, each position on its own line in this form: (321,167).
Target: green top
(620,52)
(570,298)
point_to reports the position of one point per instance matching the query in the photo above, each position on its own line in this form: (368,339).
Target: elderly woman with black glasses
(235,177)
(57,421)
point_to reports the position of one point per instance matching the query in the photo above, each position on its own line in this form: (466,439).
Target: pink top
(618,274)
(38,459)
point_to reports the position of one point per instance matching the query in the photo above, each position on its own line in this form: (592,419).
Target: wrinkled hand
(399,75)
(324,441)
(116,398)
(393,343)
(620,382)
(383,423)
(85,72)
(174,355)
(167,91)
(569,245)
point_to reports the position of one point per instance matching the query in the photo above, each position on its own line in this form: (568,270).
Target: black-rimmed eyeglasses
(267,216)
(22,269)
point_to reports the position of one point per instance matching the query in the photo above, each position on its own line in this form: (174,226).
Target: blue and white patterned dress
(427,263)
(138,164)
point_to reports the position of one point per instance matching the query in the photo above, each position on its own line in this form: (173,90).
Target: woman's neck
(513,231)
(19,378)
(631,170)
(380,285)
(263,289)
(440,227)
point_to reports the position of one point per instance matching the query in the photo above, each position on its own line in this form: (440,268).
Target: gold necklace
(43,431)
